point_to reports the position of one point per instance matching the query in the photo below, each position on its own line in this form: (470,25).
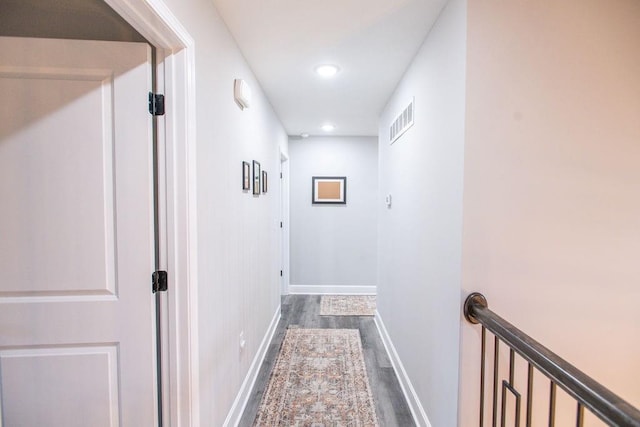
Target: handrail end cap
(474,299)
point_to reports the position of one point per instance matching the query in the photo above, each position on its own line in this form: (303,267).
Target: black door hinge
(280,224)
(280,175)
(156,104)
(159,282)
(280,273)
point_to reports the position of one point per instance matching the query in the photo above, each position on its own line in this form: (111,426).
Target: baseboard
(419,415)
(239,404)
(331,290)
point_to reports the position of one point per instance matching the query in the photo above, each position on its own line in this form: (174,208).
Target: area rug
(348,305)
(319,380)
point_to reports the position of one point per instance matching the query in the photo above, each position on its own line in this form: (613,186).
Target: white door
(77,344)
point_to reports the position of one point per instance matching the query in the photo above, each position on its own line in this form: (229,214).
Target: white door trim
(178,236)
(284,215)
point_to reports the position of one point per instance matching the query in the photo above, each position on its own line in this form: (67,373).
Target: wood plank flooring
(303,310)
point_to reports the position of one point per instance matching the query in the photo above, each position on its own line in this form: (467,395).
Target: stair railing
(587,392)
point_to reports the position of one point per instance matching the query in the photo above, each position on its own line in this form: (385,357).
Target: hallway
(487,147)
(303,311)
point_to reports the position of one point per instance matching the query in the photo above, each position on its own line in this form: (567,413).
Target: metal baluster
(529,393)
(518,411)
(580,416)
(496,352)
(506,386)
(552,405)
(503,405)
(504,396)
(511,366)
(482,363)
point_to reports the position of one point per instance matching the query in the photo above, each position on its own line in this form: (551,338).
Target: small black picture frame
(256,178)
(246,176)
(264,181)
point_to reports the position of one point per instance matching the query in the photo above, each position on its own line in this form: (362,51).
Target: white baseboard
(331,290)
(239,404)
(419,415)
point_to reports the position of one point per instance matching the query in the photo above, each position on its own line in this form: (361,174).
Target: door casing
(284,217)
(176,204)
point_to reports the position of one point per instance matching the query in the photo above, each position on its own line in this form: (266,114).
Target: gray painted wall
(334,245)
(420,235)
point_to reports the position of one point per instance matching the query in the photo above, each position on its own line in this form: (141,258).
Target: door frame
(284,217)
(176,204)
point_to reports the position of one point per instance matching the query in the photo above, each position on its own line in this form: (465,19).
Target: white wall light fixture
(328,127)
(242,93)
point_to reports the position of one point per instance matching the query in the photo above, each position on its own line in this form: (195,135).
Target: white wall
(333,246)
(552,184)
(238,234)
(420,236)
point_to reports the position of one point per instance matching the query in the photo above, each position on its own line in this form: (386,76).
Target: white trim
(331,290)
(240,403)
(182,228)
(419,415)
(155,21)
(284,215)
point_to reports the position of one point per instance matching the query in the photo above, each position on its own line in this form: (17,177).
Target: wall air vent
(402,122)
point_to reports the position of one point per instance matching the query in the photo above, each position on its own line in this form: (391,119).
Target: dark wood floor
(304,311)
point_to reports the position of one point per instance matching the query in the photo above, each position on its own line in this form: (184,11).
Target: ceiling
(372,41)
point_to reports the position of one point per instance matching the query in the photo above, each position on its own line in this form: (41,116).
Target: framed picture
(329,190)
(256,178)
(246,176)
(264,181)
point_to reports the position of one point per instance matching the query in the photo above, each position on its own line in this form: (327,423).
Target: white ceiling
(372,41)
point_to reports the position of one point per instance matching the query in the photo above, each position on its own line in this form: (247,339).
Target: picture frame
(264,181)
(246,176)
(329,190)
(256,178)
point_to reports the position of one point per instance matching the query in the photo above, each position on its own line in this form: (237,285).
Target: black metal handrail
(605,404)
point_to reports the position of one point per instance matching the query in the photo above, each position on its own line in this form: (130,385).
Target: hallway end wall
(552,186)
(333,247)
(238,233)
(420,234)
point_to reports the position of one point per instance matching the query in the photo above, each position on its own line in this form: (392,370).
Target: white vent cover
(241,93)
(402,122)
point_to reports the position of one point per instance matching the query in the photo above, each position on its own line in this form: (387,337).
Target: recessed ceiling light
(327,70)
(328,127)
(304,135)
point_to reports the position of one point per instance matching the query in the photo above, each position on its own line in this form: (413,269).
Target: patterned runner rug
(348,305)
(319,379)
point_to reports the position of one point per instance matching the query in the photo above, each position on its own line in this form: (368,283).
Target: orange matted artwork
(329,190)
